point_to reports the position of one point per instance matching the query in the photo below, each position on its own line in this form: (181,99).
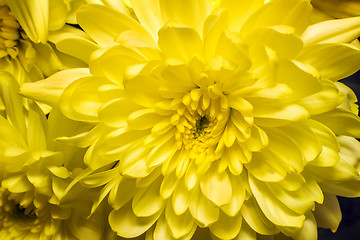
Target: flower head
(36,171)
(223,117)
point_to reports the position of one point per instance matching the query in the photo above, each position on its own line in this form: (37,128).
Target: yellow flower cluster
(169,119)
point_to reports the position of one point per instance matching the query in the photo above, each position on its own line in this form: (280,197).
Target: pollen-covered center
(9,32)
(201,125)
(201,122)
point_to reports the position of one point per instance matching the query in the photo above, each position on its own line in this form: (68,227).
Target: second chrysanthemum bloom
(224,118)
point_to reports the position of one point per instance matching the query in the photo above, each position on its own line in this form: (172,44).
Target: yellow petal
(328,215)
(179,42)
(80,100)
(149,14)
(113,23)
(181,198)
(122,107)
(279,38)
(147,201)
(57,14)
(179,225)
(50,89)
(305,139)
(334,61)
(309,83)
(275,116)
(126,224)
(239,11)
(333,31)
(324,100)
(33,17)
(232,47)
(273,209)
(73,42)
(309,230)
(191,13)
(226,227)
(37,128)
(143,119)
(329,154)
(216,186)
(237,198)
(341,122)
(301,200)
(256,219)
(203,210)
(293,13)
(350,189)
(12,102)
(143,91)
(17,183)
(246,233)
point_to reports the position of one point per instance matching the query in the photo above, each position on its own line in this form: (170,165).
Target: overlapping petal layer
(225,118)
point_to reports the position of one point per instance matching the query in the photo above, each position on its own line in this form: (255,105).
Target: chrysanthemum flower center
(22,212)
(9,32)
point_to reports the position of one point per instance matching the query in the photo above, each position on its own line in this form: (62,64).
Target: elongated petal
(239,11)
(126,224)
(12,102)
(273,209)
(256,219)
(179,225)
(179,42)
(73,42)
(191,13)
(80,100)
(293,13)
(333,31)
(328,215)
(341,122)
(113,23)
(50,89)
(203,210)
(149,14)
(334,61)
(33,17)
(226,227)
(216,187)
(148,201)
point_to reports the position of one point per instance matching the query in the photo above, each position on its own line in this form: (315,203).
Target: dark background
(349,228)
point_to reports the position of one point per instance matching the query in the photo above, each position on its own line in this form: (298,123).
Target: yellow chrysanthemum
(36,171)
(221,118)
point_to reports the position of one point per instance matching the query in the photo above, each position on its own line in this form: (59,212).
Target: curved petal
(293,13)
(80,100)
(50,89)
(112,23)
(341,122)
(216,186)
(332,31)
(179,225)
(57,14)
(274,210)
(73,42)
(33,16)
(226,227)
(334,61)
(147,201)
(203,210)
(238,11)
(149,14)
(182,43)
(191,13)
(126,224)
